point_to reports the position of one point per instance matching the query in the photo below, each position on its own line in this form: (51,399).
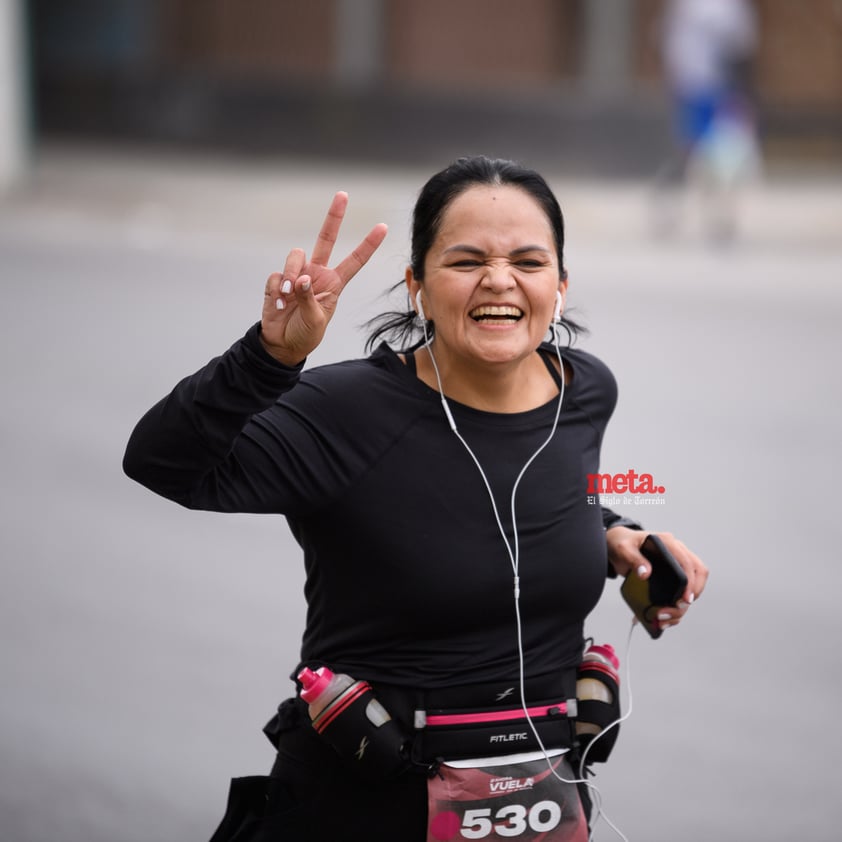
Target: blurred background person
(707,50)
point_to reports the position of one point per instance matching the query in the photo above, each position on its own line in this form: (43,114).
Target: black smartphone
(663,588)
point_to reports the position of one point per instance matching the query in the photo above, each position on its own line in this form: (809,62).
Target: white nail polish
(663,617)
(279,303)
(286,288)
(641,570)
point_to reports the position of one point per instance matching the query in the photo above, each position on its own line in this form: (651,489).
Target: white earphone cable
(514,558)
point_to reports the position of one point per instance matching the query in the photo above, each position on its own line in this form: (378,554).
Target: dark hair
(433,201)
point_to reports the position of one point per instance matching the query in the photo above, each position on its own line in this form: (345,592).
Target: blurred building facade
(558,81)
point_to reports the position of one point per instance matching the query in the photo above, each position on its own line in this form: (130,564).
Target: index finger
(330,229)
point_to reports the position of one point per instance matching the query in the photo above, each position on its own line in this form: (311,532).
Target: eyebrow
(513,252)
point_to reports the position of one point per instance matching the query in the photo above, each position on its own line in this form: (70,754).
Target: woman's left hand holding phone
(299,302)
(625,556)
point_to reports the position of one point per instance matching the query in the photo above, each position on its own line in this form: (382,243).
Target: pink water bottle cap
(313,684)
(606,650)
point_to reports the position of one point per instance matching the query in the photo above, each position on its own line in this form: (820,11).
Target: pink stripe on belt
(494,716)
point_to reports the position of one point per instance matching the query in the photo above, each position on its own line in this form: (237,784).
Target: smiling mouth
(497,315)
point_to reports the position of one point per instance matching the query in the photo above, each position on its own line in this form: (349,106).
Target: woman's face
(490,277)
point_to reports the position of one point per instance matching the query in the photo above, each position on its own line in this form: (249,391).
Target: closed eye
(524,263)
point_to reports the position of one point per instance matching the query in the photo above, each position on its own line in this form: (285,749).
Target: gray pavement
(144,646)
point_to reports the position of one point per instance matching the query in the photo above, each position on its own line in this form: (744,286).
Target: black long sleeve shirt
(408,579)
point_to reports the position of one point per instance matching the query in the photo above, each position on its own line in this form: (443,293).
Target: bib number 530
(512,820)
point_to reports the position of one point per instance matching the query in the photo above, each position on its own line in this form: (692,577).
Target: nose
(498,277)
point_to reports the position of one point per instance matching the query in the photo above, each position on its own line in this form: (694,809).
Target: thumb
(311,317)
(311,310)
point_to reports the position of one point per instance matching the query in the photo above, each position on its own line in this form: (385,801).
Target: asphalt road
(144,646)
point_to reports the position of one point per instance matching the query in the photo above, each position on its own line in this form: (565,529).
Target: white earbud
(419,307)
(559,303)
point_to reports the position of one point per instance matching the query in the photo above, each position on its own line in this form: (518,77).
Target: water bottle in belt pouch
(347,714)
(598,695)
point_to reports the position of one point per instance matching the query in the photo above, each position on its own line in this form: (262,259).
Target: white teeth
(496,311)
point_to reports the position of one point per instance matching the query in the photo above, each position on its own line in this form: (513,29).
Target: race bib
(515,797)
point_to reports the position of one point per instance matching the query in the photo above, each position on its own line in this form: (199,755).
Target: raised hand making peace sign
(300,301)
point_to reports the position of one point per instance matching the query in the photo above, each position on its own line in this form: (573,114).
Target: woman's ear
(562,288)
(413,289)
